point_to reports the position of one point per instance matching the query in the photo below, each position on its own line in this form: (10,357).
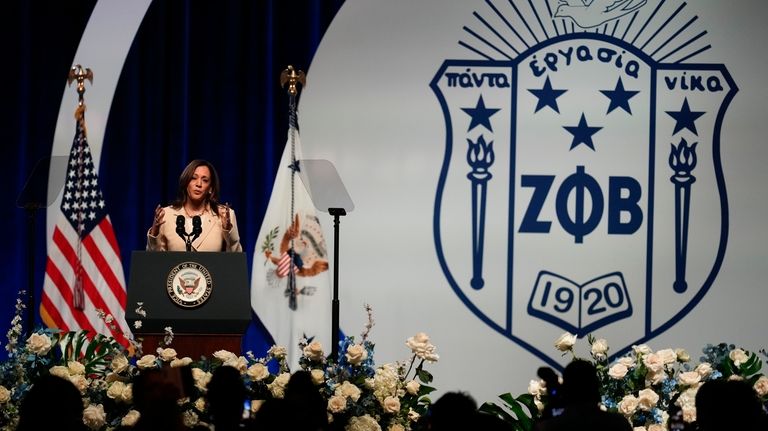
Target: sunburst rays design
(503,30)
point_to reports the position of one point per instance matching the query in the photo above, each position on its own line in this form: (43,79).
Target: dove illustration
(591,14)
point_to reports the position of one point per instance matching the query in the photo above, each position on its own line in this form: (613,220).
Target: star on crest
(547,96)
(619,97)
(481,116)
(582,134)
(685,118)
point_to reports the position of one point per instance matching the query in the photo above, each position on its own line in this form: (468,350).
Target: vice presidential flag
(290,286)
(84,274)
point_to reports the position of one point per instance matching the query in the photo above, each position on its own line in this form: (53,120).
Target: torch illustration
(480,157)
(682,160)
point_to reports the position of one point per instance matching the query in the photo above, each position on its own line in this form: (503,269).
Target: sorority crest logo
(582,175)
(189,284)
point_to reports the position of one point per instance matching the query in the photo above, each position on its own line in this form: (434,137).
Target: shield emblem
(581,189)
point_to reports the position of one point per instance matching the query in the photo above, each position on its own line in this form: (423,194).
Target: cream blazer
(213,237)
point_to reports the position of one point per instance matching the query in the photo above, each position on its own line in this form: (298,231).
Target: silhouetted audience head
(580,383)
(51,403)
(155,396)
(729,404)
(308,404)
(274,414)
(490,422)
(226,394)
(453,410)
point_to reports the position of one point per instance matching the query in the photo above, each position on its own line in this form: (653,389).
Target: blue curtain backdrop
(200,81)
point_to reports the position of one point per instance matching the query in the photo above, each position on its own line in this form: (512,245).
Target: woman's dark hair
(186,176)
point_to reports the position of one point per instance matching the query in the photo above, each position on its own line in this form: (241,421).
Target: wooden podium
(194,345)
(202,296)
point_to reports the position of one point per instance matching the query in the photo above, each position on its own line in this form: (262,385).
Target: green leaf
(493,409)
(424,390)
(424,376)
(752,366)
(523,419)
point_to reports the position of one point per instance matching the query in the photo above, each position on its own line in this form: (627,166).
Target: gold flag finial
(292,77)
(80,74)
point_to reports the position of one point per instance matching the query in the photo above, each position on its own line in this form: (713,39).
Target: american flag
(284,265)
(84,273)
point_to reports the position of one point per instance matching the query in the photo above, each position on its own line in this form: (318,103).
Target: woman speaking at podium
(195,221)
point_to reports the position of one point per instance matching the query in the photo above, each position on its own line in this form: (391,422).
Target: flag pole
(80,74)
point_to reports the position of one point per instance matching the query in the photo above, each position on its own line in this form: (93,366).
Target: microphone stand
(336,213)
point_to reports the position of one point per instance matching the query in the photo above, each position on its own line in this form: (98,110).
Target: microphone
(197,227)
(180,229)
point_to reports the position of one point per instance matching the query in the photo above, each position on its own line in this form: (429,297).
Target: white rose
(80,382)
(655,378)
(337,404)
(257,372)
(647,399)
(119,363)
(201,378)
(627,361)
(641,349)
(362,423)
(413,415)
(356,354)
(277,387)
(391,405)
(146,361)
(115,390)
(127,395)
(617,371)
(654,363)
(421,347)
(59,371)
(565,342)
(738,356)
(318,376)
(200,404)
(687,398)
(689,378)
(628,405)
(94,416)
(183,362)
(600,348)
(735,377)
(239,363)
(5,394)
(348,390)
(39,344)
(190,418)
(682,355)
(417,341)
(166,355)
(277,352)
(704,369)
(224,355)
(396,427)
(667,356)
(689,414)
(413,387)
(314,351)
(639,429)
(75,368)
(656,427)
(130,418)
(761,386)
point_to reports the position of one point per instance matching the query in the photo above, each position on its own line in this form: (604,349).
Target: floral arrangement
(644,385)
(360,395)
